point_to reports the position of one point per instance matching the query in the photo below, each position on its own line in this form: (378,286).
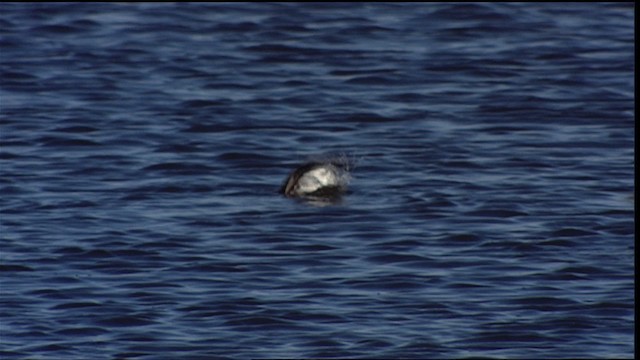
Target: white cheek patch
(315,179)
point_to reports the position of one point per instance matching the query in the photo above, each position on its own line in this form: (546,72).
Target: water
(490,211)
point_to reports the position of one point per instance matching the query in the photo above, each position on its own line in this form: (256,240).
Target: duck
(316,180)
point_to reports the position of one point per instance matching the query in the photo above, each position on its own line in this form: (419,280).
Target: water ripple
(490,211)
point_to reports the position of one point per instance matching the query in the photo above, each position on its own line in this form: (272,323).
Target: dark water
(490,212)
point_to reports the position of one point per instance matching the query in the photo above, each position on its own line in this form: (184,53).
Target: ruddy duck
(317,180)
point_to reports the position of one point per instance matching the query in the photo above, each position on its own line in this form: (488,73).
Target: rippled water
(490,211)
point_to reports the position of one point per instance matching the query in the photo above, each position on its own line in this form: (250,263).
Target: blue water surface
(490,212)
